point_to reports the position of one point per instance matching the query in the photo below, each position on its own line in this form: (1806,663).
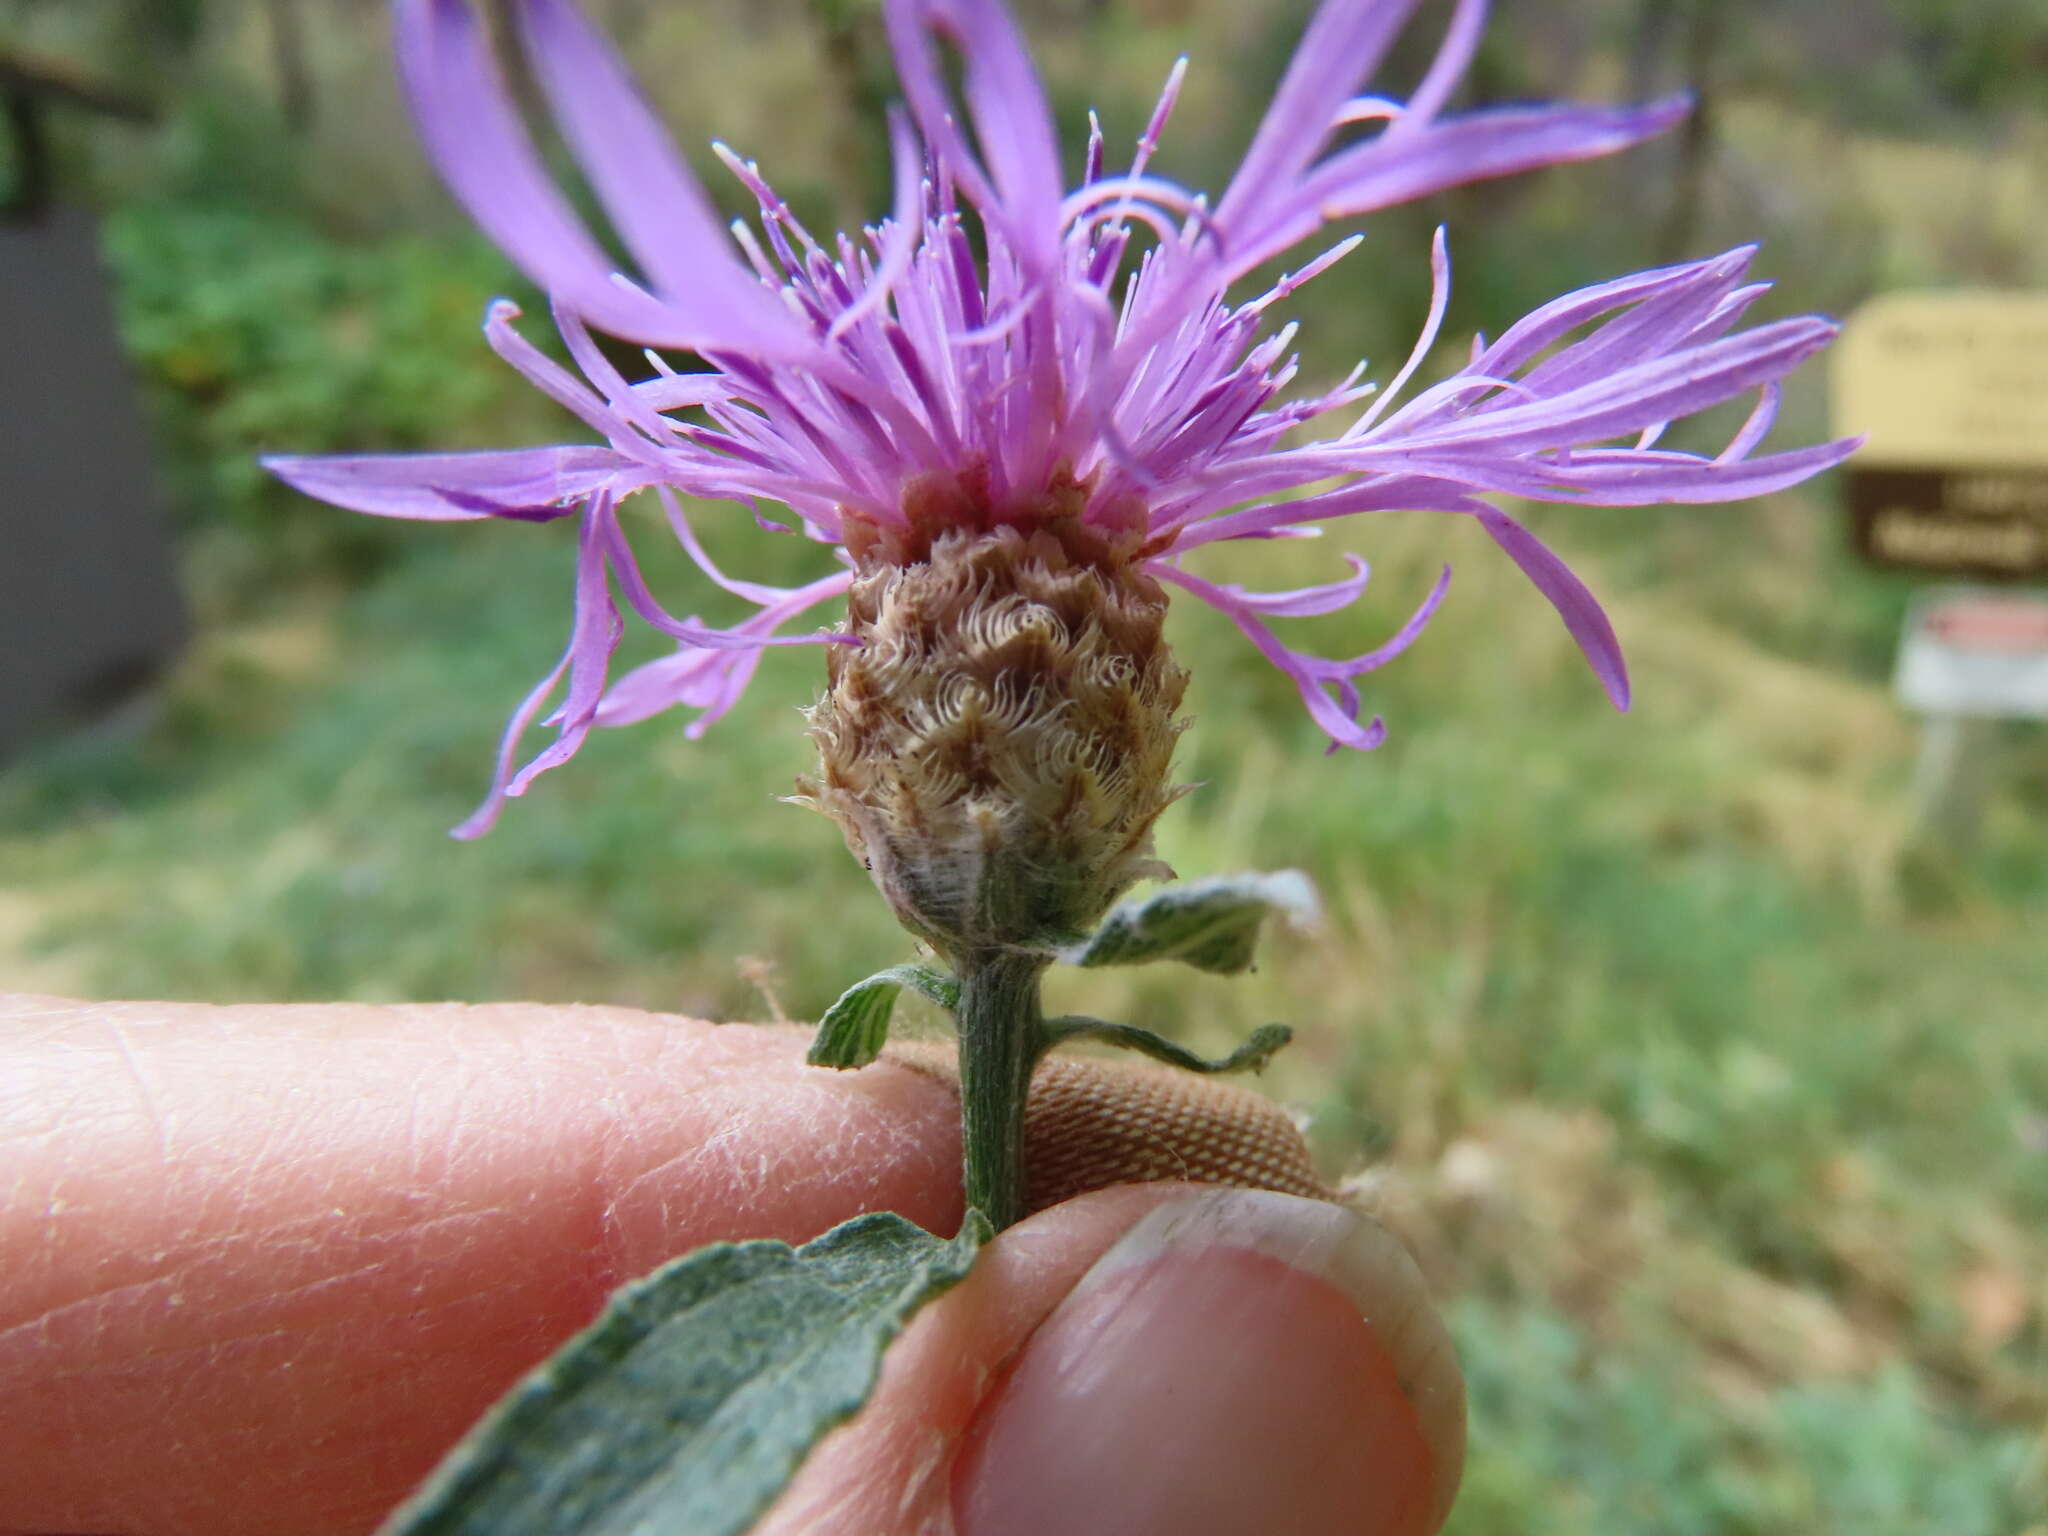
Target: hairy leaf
(1212,925)
(856,1027)
(690,1403)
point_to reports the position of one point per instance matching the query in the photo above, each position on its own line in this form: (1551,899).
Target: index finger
(266,1263)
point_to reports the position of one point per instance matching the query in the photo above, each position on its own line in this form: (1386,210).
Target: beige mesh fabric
(1093,1122)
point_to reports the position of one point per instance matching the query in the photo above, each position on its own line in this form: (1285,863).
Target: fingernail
(1239,1361)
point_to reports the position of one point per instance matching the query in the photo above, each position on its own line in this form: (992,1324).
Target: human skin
(264,1264)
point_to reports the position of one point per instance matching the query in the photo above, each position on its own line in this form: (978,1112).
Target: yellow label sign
(1946,380)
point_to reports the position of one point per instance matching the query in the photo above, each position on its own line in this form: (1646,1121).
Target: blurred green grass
(1719,1107)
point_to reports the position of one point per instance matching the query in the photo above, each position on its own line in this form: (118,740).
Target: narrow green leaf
(1249,1057)
(856,1027)
(1212,925)
(690,1403)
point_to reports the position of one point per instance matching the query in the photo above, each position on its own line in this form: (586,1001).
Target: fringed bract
(997,748)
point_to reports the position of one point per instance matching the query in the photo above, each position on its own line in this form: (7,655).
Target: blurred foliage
(1987,53)
(1573,1437)
(1722,1109)
(379,352)
(256,330)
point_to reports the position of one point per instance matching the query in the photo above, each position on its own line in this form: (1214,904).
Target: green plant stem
(1002,1034)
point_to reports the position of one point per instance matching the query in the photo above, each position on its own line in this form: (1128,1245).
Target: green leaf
(1212,925)
(855,1028)
(1249,1057)
(690,1403)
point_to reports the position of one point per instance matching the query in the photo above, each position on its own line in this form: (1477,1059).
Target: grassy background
(1718,1105)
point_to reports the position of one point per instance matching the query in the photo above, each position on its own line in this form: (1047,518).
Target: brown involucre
(997,748)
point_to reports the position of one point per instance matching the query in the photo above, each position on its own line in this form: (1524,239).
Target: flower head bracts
(1082,359)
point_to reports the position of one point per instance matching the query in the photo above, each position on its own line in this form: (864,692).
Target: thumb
(1159,1359)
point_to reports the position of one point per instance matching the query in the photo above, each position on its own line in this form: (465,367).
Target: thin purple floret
(1039,342)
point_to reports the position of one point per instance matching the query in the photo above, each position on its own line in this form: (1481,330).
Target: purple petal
(1376,493)
(1580,610)
(1461,42)
(680,391)
(1402,638)
(713,679)
(475,139)
(1617,477)
(593,637)
(658,685)
(456,487)
(1342,45)
(633,586)
(621,400)
(1757,427)
(1686,314)
(1541,327)
(1477,147)
(1307,602)
(1629,399)
(1425,340)
(547,375)
(686,535)
(668,222)
(1312,676)
(906,225)
(485,816)
(1007,105)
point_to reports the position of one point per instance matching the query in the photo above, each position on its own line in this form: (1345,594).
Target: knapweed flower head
(1015,406)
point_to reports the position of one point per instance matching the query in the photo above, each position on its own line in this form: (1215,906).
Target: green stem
(1002,1033)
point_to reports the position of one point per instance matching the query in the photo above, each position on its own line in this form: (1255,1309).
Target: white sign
(1969,651)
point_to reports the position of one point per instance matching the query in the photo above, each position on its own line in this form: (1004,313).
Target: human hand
(265,1264)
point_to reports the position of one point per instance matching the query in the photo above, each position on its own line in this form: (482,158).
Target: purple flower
(1084,357)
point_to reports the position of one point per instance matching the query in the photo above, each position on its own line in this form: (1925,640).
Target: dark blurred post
(288,57)
(1706,30)
(1647,72)
(89,604)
